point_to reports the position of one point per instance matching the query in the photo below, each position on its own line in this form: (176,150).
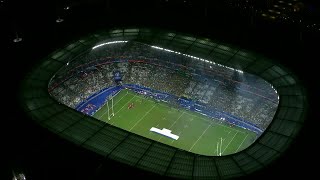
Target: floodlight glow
(17,39)
(193,57)
(111,42)
(59,20)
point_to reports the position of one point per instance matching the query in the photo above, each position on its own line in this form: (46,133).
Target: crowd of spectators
(240,94)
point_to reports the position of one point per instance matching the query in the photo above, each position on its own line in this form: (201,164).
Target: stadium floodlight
(20,176)
(197,58)
(17,39)
(111,42)
(59,20)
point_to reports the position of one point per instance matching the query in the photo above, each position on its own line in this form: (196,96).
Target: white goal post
(110,108)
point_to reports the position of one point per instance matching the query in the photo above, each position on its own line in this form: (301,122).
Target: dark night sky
(42,155)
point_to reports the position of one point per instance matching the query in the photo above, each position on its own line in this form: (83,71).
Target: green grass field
(197,133)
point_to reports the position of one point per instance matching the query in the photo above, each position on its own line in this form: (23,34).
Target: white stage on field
(165,132)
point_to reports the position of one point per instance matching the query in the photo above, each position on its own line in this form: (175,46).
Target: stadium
(167,102)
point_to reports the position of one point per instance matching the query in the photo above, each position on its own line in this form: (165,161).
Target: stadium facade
(129,148)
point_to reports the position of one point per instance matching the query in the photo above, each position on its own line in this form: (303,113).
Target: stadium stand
(242,95)
(114,143)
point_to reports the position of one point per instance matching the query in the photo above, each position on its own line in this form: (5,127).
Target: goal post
(112,105)
(110,109)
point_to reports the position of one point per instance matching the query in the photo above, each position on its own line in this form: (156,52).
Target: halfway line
(142,117)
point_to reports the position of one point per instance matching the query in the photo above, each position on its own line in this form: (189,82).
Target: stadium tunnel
(152,156)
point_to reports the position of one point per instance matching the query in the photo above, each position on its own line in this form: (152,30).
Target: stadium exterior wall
(149,155)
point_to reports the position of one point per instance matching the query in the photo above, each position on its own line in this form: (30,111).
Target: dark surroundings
(42,155)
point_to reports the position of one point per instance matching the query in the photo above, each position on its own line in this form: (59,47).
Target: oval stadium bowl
(169,103)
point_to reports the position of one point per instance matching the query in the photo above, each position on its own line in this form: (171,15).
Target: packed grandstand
(214,86)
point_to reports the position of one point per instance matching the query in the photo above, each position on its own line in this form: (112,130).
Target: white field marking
(113,105)
(200,137)
(242,142)
(156,127)
(173,139)
(219,144)
(142,118)
(202,118)
(216,123)
(152,101)
(227,131)
(229,142)
(122,107)
(216,149)
(173,123)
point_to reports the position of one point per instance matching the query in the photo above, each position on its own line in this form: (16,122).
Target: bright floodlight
(20,176)
(59,20)
(204,60)
(112,42)
(17,39)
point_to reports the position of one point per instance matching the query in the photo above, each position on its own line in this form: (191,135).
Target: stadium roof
(114,143)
